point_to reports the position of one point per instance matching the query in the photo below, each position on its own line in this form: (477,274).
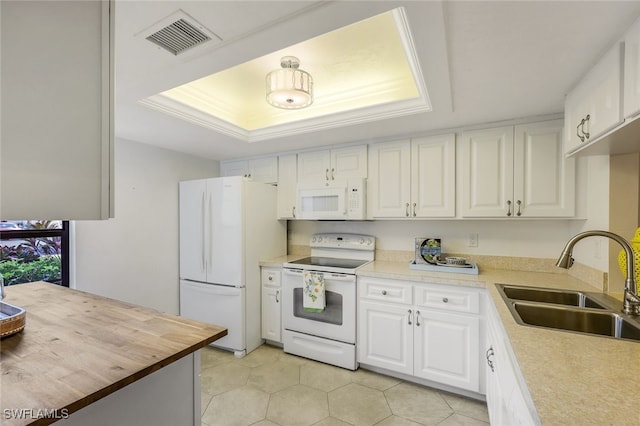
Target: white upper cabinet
(57,110)
(544,181)
(517,172)
(288,171)
(327,165)
(412,178)
(389,183)
(594,107)
(258,169)
(487,172)
(632,71)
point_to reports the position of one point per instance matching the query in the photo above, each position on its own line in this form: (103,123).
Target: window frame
(63,233)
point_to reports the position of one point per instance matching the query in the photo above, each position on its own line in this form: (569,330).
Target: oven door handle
(327,275)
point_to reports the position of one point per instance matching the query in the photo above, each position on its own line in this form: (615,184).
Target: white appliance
(333,200)
(227,225)
(328,336)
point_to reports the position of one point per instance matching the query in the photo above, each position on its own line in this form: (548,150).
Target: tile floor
(269,387)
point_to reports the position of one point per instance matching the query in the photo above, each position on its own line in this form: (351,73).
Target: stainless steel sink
(568,310)
(599,322)
(559,297)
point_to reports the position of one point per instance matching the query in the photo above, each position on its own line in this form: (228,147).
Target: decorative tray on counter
(12,319)
(470,268)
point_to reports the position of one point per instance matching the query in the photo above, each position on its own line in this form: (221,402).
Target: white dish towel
(313,299)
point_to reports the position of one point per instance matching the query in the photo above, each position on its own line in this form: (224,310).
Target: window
(34,250)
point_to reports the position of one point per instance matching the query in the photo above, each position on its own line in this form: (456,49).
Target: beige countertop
(572,378)
(78,348)
(278,261)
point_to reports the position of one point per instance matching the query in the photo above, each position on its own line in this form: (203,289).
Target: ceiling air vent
(179,32)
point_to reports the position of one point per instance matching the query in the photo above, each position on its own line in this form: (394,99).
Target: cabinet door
(389,184)
(349,162)
(193,205)
(234,168)
(594,106)
(264,169)
(314,166)
(632,71)
(271,314)
(447,348)
(287,180)
(385,336)
(433,176)
(487,173)
(57,110)
(544,181)
(605,88)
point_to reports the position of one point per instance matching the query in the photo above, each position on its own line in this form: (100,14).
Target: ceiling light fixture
(289,87)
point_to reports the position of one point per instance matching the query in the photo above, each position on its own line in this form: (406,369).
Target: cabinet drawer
(448,299)
(385,290)
(271,277)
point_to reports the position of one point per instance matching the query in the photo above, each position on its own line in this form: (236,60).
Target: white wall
(519,238)
(592,197)
(134,257)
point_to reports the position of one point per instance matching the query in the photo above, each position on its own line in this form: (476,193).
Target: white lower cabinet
(508,399)
(271,304)
(429,331)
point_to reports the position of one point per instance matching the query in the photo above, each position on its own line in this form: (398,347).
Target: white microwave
(333,200)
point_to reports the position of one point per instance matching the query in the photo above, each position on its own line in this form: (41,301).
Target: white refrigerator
(227,225)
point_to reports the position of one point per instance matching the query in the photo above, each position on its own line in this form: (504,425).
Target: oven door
(337,321)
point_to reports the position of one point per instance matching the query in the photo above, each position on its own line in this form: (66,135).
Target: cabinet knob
(508,207)
(277,295)
(270,278)
(384,292)
(326,174)
(406,210)
(445,300)
(518,203)
(333,174)
(414,209)
(409,317)
(417,318)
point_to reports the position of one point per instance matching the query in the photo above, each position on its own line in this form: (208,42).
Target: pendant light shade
(289,87)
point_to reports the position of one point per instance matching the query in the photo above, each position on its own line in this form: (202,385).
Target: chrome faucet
(631,302)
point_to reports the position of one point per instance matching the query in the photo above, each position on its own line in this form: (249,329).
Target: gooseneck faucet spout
(631,303)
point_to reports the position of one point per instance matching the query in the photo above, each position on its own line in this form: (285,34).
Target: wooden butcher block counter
(78,348)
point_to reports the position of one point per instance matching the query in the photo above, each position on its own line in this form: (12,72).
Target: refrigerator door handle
(202,249)
(210,233)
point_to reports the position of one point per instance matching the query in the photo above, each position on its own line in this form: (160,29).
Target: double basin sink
(568,310)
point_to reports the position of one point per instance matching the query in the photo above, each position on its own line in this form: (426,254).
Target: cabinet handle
(406,210)
(409,317)
(508,207)
(518,203)
(489,355)
(293,211)
(326,174)
(586,134)
(581,124)
(277,295)
(445,300)
(384,292)
(333,176)
(418,318)
(414,209)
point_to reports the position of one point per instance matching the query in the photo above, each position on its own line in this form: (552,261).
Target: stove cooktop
(329,262)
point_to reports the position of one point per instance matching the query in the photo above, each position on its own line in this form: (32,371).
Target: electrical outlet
(473,240)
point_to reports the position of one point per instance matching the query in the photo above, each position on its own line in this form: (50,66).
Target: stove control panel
(344,241)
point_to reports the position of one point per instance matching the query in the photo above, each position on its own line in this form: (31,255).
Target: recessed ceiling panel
(367,70)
